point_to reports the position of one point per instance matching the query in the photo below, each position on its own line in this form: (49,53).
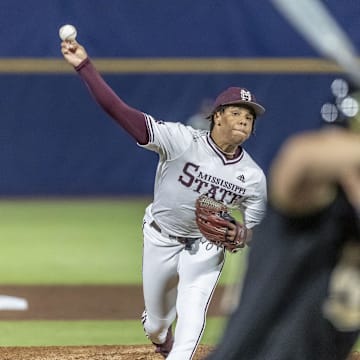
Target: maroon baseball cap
(237,95)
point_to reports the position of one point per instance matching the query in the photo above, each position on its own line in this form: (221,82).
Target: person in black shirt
(300,299)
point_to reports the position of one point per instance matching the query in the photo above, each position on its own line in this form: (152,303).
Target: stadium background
(54,140)
(68,171)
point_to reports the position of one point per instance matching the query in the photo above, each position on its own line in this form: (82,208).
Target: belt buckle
(188,242)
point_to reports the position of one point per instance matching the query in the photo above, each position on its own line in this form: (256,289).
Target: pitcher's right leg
(160,279)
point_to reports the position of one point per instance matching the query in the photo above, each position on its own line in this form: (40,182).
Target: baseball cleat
(165,348)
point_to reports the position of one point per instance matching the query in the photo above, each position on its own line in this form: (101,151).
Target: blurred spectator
(301,298)
(199,119)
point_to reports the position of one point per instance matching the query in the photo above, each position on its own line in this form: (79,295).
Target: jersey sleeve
(130,119)
(255,204)
(169,139)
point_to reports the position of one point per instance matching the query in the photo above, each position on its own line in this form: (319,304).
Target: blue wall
(54,140)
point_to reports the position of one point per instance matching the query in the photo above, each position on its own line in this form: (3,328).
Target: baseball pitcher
(201,177)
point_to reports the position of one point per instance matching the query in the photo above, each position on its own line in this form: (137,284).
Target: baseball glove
(213,219)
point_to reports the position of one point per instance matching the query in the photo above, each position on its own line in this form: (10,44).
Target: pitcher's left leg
(199,271)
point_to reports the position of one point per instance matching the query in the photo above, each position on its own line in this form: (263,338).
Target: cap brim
(259,110)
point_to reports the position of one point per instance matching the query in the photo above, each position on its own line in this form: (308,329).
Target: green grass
(94,241)
(75,242)
(61,333)
(71,242)
(76,333)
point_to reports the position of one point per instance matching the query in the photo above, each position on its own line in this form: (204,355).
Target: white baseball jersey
(189,165)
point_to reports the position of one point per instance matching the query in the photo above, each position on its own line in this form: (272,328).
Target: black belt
(188,242)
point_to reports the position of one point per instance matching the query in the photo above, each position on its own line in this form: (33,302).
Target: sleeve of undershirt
(130,119)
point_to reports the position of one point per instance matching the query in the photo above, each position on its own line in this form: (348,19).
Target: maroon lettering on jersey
(189,178)
(213,186)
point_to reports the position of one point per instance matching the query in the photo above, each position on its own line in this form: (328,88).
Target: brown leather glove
(213,220)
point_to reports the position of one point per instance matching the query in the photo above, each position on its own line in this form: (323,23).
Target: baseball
(67,32)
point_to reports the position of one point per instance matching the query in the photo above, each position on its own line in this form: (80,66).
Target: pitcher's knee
(155,329)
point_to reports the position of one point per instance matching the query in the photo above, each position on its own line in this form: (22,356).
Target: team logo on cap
(245,95)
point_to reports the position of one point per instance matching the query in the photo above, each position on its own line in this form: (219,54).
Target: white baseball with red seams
(67,32)
(187,169)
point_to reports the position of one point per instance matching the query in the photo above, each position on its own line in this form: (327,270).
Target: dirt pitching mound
(129,352)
